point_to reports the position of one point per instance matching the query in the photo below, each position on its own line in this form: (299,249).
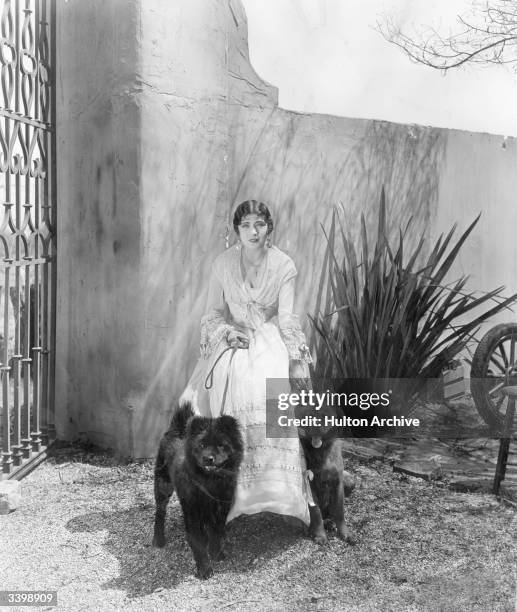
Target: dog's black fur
(199,458)
(329,484)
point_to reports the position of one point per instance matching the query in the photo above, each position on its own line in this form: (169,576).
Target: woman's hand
(298,375)
(297,369)
(237,339)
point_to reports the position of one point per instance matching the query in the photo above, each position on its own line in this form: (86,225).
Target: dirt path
(84,529)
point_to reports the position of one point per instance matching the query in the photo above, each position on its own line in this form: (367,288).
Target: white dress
(273,475)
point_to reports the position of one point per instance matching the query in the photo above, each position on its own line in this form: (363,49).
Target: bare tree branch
(487,36)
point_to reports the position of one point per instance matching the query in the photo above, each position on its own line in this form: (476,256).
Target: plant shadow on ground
(250,543)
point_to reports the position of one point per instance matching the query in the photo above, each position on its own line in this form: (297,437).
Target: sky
(326,57)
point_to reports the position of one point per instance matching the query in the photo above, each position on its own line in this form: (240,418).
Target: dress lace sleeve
(214,323)
(289,323)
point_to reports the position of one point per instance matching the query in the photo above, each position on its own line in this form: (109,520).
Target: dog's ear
(228,425)
(197,425)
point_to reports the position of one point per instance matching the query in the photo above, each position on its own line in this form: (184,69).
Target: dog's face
(317,435)
(214,444)
(320,434)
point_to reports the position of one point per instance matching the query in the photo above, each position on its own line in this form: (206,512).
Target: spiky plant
(387,316)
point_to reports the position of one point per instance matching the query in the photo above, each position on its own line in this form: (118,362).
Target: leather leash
(209,380)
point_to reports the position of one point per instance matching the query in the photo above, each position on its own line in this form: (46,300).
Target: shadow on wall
(303,165)
(183,236)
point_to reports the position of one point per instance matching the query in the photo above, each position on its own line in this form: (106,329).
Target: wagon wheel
(494,366)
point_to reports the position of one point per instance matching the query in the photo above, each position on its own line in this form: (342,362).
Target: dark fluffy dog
(330,482)
(199,458)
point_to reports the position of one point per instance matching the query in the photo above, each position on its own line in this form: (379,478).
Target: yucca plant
(388,314)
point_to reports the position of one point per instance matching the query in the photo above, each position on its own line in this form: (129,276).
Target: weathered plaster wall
(306,164)
(480,176)
(162,132)
(99,231)
(184,142)
(144,90)
(192,72)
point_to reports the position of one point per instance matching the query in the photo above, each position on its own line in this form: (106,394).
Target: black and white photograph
(258,305)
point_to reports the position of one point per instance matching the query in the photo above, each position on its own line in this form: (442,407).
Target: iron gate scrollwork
(27,230)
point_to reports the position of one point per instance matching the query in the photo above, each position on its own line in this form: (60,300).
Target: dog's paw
(203,573)
(320,538)
(348,483)
(347,535)
(159,541)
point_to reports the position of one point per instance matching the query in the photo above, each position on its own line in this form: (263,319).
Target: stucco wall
(480,176)
(306,164)
(99,231)
(163,128)
(184,165)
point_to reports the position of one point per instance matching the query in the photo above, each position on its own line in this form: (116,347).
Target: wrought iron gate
(27,231)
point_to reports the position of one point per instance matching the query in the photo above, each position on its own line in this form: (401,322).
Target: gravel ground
(84,529)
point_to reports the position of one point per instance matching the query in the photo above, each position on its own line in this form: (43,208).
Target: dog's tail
(180,418)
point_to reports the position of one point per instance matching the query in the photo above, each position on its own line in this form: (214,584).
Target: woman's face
(253,232)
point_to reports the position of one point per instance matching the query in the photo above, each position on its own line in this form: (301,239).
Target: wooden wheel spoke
(497,362)
(513,340)
(503,355)
(494,390)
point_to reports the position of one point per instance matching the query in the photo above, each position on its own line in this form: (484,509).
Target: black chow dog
(330,483)
(199,458)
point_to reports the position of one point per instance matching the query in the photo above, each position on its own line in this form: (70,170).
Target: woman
(250,307)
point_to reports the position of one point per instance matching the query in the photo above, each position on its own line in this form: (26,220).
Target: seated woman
(250,307)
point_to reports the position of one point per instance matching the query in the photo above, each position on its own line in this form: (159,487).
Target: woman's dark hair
(252,207)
